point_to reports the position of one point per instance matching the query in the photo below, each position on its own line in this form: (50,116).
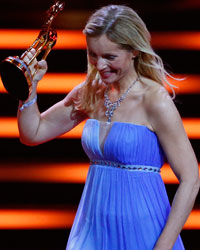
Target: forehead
(101,44)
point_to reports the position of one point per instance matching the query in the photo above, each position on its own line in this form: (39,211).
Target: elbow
(27,142)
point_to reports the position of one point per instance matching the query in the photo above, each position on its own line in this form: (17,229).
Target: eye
(110,57)
(91,54)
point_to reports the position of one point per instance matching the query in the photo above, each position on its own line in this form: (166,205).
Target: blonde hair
(123,26)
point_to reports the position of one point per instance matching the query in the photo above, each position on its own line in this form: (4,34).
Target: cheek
(122,65)
(116,64)
(123,62)
(128,63)
(92,61)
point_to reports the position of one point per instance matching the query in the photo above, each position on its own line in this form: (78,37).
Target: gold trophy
(15,73)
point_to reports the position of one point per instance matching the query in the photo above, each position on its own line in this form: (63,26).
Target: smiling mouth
(106,74)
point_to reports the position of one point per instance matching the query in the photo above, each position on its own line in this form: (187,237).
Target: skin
(114,64)
(148,103)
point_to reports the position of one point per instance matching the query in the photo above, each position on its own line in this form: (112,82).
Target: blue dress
(124,205)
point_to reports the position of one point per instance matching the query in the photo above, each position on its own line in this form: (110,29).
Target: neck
(111,106)
(121,86)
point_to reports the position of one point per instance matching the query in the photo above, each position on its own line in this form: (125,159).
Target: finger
(30,59)
(41,70)
(33,51)
(42,64)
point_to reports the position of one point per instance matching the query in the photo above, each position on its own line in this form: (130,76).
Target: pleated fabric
(121,209)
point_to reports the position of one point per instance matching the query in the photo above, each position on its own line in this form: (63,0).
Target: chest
(131,110)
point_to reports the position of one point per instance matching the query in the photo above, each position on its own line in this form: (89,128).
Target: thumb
(42,64)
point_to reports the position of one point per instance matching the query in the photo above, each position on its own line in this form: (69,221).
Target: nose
(101,64)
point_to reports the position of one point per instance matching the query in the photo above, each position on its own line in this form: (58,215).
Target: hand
(41,69)
(37,68)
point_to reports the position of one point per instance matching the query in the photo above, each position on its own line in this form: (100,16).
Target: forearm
(28,120)
(181,207)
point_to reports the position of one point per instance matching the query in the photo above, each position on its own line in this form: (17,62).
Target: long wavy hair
(123,26)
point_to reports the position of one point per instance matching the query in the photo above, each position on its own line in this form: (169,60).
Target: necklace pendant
(109,120)
(111,106)
(107,113)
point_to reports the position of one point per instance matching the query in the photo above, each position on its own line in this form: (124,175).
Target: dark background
(159,15)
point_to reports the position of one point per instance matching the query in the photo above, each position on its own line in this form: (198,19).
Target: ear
(135,53)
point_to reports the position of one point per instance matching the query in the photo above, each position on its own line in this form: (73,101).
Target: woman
(132,124)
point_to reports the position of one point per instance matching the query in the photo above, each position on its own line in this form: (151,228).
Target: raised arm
(167,123)
(36,127)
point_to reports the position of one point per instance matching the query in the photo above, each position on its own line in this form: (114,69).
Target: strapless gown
(124,204)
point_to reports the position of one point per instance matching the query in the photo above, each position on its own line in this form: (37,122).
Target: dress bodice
(124,143)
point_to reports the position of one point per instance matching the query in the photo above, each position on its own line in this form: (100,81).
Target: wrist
(29,102)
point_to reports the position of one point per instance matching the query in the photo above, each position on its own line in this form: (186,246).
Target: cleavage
(104,129)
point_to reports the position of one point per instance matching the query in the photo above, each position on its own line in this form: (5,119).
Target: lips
(106,74)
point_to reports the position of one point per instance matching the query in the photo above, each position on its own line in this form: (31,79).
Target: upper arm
(60,118)
(167,123)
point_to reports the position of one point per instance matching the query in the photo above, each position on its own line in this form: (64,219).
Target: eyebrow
(105,54)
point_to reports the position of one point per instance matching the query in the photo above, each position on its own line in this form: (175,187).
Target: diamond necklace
(111,106)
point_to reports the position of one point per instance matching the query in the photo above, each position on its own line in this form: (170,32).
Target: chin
(109,81)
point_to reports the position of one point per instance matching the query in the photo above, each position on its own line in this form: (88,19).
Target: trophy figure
(15,73)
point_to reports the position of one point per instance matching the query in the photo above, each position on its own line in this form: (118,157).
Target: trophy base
(16,77)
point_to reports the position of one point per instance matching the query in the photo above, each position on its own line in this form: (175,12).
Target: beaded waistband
(125,166)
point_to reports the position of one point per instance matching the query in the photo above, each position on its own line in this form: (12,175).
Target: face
(113,63)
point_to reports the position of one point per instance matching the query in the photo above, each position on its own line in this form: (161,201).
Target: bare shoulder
(157,98)
(74,94)
(160,107)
